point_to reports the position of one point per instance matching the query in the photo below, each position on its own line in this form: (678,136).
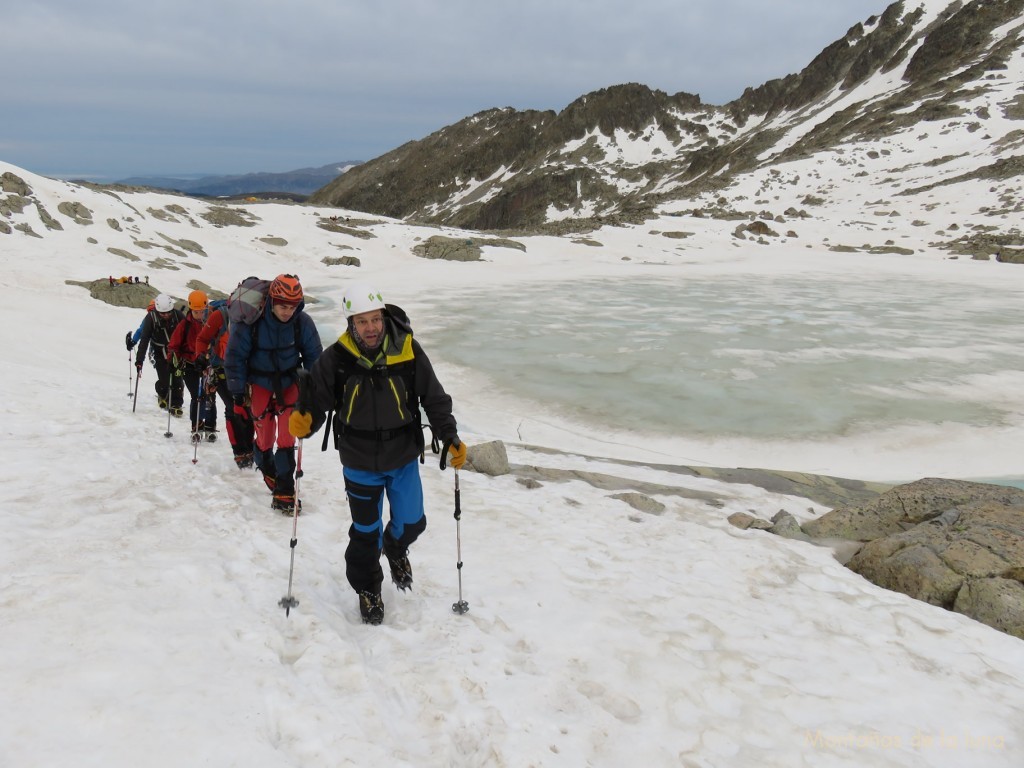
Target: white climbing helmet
(359,298)
(163,303)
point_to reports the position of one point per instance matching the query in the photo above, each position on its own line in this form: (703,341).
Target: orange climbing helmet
(198,300)
(285,289)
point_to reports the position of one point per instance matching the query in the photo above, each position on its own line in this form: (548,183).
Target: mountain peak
(621,152)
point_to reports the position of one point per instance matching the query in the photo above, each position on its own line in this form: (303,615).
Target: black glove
(202,361)
(138,367)
(128,341)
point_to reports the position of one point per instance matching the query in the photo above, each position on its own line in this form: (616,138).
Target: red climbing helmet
(285,289)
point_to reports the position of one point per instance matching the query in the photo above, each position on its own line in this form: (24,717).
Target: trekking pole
(196,437)
(461,607)
(130,366)
(170,382)
(288,602)
(136,400)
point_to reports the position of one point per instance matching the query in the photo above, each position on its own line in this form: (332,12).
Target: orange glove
(457,452)
(300,424)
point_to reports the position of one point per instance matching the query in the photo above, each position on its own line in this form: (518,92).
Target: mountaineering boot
(243,461)
(398,559)
(197,437)
(162,402)
(285,502)
(371,607)
(176,411)
(210,434)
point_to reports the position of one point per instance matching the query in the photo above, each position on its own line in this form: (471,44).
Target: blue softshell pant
(368,535)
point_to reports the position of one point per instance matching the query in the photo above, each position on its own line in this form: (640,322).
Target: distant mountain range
(927,93)
(301,182)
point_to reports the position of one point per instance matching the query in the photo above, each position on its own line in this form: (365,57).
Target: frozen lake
(776,357)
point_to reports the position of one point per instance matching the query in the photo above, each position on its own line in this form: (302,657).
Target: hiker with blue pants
(375,378)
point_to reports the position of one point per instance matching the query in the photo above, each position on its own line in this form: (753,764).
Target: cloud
(361,74)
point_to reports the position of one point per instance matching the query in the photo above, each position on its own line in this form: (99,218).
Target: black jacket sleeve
(320,386)
(437,403)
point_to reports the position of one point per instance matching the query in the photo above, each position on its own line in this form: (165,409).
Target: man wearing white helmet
(157,328)
(375,378)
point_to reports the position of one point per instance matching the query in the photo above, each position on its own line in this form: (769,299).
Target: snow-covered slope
(139,590)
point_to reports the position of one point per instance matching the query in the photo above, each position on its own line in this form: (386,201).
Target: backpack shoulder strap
(341,373)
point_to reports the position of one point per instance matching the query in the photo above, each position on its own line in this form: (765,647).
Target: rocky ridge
(621,154)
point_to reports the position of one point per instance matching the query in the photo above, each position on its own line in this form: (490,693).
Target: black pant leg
(191,379)
(164,383)
(362,556)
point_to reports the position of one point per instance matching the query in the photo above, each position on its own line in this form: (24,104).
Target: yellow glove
(300,424)
(457,454)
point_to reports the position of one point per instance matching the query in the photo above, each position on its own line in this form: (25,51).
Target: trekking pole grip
(458,496)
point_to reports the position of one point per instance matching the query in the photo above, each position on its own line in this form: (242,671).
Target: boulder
(745,521)
(996,602)
(488,458)
(908,567)
(787,526)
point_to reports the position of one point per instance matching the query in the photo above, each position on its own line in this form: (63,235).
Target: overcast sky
(107,89)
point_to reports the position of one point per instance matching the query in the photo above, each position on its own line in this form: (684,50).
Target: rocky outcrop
(344,261)
(137,295)
(76,212)
(230,217)
(640,502)
(906,506)
(460,248)
(448,248)
(48,221)
(951,543)
(967,559)
(13,184)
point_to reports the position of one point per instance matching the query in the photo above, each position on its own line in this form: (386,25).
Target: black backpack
(348,365)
